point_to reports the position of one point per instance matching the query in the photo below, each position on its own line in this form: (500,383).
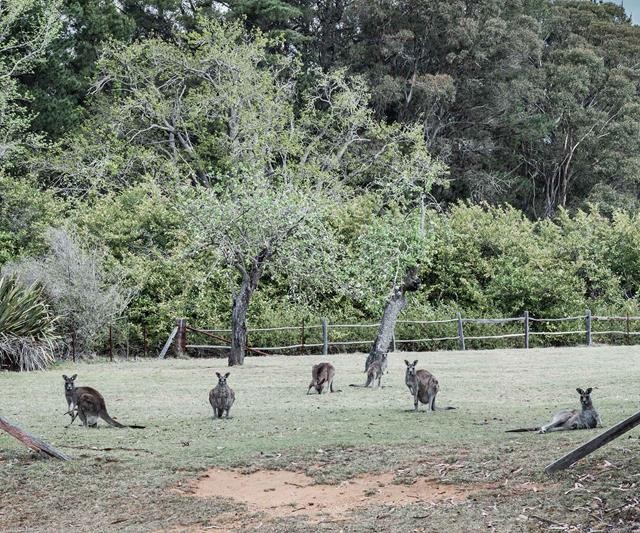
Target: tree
(59,82)
(27,28)
(258,226)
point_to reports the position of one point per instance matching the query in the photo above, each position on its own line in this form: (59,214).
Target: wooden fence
(322,337)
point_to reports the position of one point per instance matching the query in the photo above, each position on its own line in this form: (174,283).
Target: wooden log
(594,444)
(31,441)
(165,348)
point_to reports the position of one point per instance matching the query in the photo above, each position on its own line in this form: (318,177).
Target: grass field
(145,480)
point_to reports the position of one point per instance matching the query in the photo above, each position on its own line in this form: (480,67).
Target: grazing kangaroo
(423,387)
(322,376)
(88,404)
(374,371)
(587,418)
(221,397)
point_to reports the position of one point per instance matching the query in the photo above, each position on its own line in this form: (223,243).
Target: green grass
(275,424)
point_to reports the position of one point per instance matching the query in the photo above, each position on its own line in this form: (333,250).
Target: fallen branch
(31,441)
(594,444)
(107,449)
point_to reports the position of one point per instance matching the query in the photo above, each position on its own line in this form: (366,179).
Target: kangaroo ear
(227,375)
(589,390)
(415,362)
(579,390)
(406,362)
(64,376)
(218,374)
(74,377)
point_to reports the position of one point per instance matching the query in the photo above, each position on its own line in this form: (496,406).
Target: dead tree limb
(31,441)
(395,304)
(594,444)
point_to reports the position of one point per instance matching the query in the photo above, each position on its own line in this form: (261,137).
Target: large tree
(226,118)
(27,28)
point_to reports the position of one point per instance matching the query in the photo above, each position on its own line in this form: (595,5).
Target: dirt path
(280,494)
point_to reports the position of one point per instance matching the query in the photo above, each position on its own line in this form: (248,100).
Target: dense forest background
(164,158)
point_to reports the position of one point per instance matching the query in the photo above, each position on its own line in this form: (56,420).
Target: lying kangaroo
(88,404)
(569,419)
(322,376)
(423,387)
(221,397)
(374,371)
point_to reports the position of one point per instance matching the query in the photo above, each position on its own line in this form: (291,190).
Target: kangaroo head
(222,380)
(69,384)
(585,397)
(411,367)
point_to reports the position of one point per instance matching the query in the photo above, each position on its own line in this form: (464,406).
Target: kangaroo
(587,418)
(88,404)
(68,394)
(374,371)
(221,397)
(423,386)
(376,356)
(322,376)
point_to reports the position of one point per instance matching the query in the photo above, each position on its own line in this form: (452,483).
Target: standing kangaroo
(587,418)
(374,356)
(423,387)
(374,371)
(322,376)
(88,404)
(221,397)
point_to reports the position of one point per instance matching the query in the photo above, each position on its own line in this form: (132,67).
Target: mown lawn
(276,425)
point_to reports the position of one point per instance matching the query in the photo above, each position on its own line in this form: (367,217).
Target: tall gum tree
(261,147)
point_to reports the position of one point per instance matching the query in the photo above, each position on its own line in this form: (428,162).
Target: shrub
(27,328)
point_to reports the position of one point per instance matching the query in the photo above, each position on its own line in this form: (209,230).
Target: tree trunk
(395,304)
(239,313)
(35,443)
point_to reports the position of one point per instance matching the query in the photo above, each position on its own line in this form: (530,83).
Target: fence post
(302,338)
(627,328)
(460,332)
(393,342)
(526,329)
(144,340)
(588,324)
(325,337)
(181,336)
(110,344)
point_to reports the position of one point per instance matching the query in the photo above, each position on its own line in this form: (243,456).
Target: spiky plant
(27,328)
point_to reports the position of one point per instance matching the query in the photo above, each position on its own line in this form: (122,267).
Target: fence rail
(340,338)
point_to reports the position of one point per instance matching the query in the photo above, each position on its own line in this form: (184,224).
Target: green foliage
(25,213)
(27,28)
(27,327)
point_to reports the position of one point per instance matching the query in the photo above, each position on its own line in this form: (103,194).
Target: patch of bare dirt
(280,494)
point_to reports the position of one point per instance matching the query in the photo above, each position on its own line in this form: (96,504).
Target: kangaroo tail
(521,430)
(354,385)
(447,408)
(105,416)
